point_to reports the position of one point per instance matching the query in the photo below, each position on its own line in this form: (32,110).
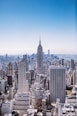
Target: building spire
(39,40)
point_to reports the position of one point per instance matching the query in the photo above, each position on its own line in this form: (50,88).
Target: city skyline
(22,23)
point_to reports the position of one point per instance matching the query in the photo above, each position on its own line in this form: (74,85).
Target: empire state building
(39,57)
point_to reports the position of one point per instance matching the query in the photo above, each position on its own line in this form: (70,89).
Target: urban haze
(38,58)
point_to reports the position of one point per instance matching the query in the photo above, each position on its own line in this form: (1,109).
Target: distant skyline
(23,22)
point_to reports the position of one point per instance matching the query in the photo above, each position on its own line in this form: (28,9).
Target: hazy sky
(23,22)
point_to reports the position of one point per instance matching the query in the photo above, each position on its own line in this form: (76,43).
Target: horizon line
(36,53)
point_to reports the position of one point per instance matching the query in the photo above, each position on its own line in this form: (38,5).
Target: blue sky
(23,22)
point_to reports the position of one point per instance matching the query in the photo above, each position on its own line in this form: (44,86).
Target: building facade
(57,84)
(72,64)
(21,77)
(39,57)
(22,97)
(10,73)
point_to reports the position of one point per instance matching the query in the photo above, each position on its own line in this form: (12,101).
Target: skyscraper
(21,76)
(57,83)
(25,58)
(72,64)
(10,73)
(62,61)
(21,101)
(76,75)
(39,57)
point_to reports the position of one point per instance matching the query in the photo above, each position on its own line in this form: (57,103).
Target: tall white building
(57,84)
(21,77)
(22,98)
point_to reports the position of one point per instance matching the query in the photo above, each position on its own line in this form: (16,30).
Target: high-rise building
(28,77)
(22,77)
(48,53)
(76,75)
(57,83)
(39,57)
(10,73)
(62,61)
(32,64)
(25,58)
(10,69)
(3,84)
(22,98)
(72,64)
